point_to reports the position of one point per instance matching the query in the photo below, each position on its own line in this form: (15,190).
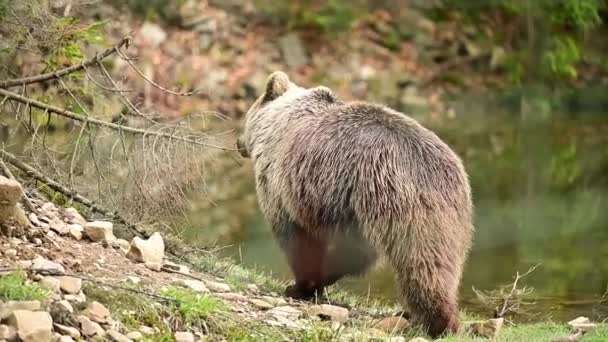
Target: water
(540,190)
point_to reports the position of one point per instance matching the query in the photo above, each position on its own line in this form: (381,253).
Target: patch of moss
(14,286)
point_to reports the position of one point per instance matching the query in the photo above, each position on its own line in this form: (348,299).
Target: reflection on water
(540,189)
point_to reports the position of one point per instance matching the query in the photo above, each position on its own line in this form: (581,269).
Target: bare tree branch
(75,116)
(59,73)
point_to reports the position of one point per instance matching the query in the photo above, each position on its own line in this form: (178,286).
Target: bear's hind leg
(305,254)
(429,290)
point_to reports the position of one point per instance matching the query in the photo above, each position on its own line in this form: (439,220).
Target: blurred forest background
(519,88)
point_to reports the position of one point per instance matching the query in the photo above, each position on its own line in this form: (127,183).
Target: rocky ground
(65,279)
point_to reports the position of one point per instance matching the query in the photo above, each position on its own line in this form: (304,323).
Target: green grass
(14,286)
(193,308)
(131,309)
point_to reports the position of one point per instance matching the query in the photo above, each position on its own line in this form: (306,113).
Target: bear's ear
(276,85)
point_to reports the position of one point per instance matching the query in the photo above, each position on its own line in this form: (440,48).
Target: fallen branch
(32,172)
(59,73)
(508,299)
(85,119)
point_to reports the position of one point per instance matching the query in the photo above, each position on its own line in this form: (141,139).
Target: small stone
(74,217)
(237,297)
(65,338)
(276,301)
(396,339)
(194,285)
(116,336)
(153,33)
(329,312)
(7,308)
(59,226)
(65,330)
(176,267)
(154,266)
(24,264)
(42,264)
(253,288)
(70,285)
(576,337)
(419,339)
(214,286)
(184,336)
(134,280)
(7,333)
(49,207)
(99,231)
(76,231)
(51,283)
(487,329)
(10,253)
(285,311)
(391,324)
(261,304)
(151,250)
(89,328)
(135,335)
(119,244)
(77,298)
(62,306)
(582,324)
(147,330)
(32,326)
(293,50)
(34,219)
(97,312)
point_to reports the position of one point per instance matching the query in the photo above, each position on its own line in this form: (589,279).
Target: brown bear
(343,182)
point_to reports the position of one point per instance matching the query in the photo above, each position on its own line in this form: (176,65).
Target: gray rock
(51,283)
(391,324)
(34,219)
(99,231)
(10,253)
(261,304)
(151,250)
(135,335)
(97,312)
(192,284)
(330,312)
(90,328)
(153,33)
(293,50)
(42,264)
(59,226)
(32,326)
(7,333)
(215,286)
(184,336)
(7,308)
(75,231)
(73,216)
(65,330)
(115,336)
(70,285)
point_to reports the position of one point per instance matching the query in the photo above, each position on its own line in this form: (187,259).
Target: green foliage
(153,10)
(14,286)
(192,307)
(565,168)
(67,46)
(558,26)
(563,57)
(131,309)
(331,16)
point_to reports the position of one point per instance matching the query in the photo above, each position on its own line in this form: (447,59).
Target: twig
(7,172)
(142,75)
(31,172)
(126,41)
(75,116)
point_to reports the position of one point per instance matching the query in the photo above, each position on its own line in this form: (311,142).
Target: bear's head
(277,84)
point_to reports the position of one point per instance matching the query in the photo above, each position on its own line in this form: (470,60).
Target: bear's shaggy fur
(343,182)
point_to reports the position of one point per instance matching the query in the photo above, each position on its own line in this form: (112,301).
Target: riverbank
(64,279)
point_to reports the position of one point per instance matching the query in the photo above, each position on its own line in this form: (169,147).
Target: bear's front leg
(305,254)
